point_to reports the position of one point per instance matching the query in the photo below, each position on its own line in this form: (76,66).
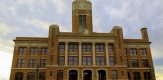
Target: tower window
(82,23)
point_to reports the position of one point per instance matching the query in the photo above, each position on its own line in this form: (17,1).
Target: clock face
(83,5)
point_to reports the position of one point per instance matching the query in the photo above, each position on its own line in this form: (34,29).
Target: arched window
(101,75)
(87,75)
(73,75)
(60,75)
(19,76)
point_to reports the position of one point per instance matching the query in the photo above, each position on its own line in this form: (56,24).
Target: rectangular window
(143,51)
(42,76)
(111,60)
(100,60)
(73,60)
(73,47)
(61,60)
(133,51)
(145,63)
(129,76)
(61,47)
(31,76)
(111,48)
(86,47)
(82,23)
(20,63)
(126,51)
(100,47)
(32,63)
(22,50)
(114,74)
(147,76)
(33,51)
(87,60)
(134,63)
(44,51)
(42,63)
(136,75)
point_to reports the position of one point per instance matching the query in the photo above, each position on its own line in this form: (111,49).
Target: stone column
(94,54)
(80,53)
(107,54)
(66,54)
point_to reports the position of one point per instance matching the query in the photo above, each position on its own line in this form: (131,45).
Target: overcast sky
(33,17)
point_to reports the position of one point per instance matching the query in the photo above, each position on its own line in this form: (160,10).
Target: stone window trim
(44,50)
(20,62)
(32,63)
(133,51)
(100,47)
(34,50)
(43,63)
(22,50)
(73,47)
(86,47)
(61,47)
(143,51)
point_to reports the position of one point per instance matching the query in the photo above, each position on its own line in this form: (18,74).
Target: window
(136,75)
(73,60)
(129,76)
(126,51)
(44,51)
(100,47)
(61,47)
(82,23)
(73,48)
(32,63)
(111,49)
(20,63)
(111,60)
(127,63)
(42,63)
(19,76)
(145,63)
(60,75)
(42,76)
(114,75)
(147,76)
(133,51)
(143,52)
(100,60)
(22,50)
(34,51)
(86,48)
(134,63)
(31,76)
(87,60)
(61,60)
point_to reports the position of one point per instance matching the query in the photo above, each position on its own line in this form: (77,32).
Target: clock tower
(82,16)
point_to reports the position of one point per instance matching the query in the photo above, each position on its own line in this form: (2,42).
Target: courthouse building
(82,54)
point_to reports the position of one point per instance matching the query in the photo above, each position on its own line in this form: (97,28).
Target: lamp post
(37,72)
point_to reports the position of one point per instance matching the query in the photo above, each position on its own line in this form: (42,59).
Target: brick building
(82,54)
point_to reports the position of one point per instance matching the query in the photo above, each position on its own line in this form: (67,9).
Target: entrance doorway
(101,75)
(73,75)
(87,75)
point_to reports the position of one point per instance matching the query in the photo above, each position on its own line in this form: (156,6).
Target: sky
(32,18)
